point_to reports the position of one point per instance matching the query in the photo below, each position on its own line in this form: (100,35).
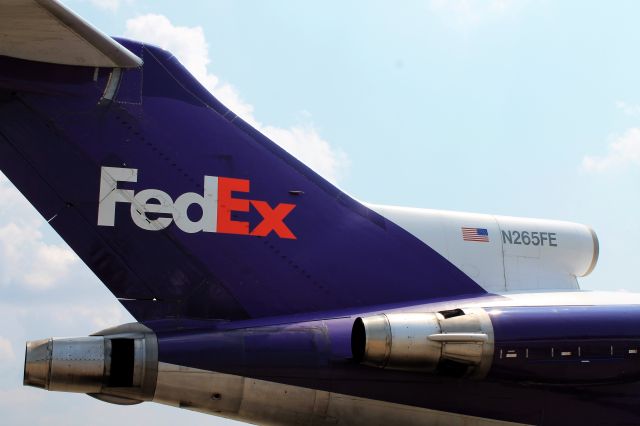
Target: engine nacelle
(118,366)
(532,344)
(502,253)
(455,342)
(71,365)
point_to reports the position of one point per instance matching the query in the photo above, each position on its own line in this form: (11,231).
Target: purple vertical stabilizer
(284,240)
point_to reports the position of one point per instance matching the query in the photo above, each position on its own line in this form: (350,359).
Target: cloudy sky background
(525,108)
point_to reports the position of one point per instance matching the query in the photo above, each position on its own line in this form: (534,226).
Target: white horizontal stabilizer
(46,31)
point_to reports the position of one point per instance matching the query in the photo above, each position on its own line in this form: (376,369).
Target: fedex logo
(217,203)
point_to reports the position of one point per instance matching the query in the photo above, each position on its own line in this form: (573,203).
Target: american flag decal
(479,235)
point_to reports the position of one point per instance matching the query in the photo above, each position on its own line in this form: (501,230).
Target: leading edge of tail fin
(183,210)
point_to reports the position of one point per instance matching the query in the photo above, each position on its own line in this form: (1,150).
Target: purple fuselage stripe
(316,354)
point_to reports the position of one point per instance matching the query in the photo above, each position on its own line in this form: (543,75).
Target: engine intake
(455,342)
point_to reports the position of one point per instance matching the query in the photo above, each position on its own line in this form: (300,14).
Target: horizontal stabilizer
(46,31)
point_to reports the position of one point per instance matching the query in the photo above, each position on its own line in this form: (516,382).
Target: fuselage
(550,353)
(264,293)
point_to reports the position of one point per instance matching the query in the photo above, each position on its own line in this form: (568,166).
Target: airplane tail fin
(183,210)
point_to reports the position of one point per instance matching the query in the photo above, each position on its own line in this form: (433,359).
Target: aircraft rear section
(113,159)
(533,365)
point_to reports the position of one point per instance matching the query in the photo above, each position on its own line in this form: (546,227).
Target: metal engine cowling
(67,364)
(117,365)
(454,342)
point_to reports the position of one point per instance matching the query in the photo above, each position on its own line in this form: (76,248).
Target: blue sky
(500,106)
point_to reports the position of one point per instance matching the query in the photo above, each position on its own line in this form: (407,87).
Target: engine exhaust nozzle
(67,365)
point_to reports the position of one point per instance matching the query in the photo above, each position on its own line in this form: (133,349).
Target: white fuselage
(517,254)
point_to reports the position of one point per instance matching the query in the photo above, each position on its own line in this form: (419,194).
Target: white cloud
(25,258)
(628,109)
(468,14)
(14,204)
(623,151)
(94,317)
(187,43)
(110,5)
(6,350)
(190,47)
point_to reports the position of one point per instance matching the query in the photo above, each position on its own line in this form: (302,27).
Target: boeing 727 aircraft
(265,294)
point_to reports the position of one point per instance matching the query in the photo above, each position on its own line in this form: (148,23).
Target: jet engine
(118,365)
(456,341)
(533,344)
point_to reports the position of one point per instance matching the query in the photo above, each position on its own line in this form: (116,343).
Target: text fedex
(217,204)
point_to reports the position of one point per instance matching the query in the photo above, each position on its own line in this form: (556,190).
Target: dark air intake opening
(122,357)
(358,340)
(452,313)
